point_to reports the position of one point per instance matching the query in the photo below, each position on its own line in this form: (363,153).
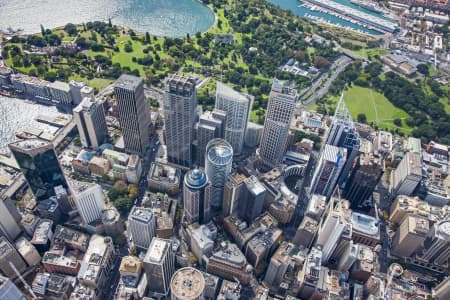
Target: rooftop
(41,233)
(131,264)
(196,178)
(128,82)
(255,186)
(365,224)
(187,283)
(157,250)
(141,214)
(30,145)
(232,255)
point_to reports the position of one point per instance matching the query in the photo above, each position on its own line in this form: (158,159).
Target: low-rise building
(229,290)
(230,263)
(53,286)
(134,169)
(70,238)
(164,178)
(99,166)
(43,235)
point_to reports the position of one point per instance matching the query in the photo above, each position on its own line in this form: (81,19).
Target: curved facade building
(218,162)
(187,284)
(197,197)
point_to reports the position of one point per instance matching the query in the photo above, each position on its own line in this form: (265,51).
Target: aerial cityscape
(225,149)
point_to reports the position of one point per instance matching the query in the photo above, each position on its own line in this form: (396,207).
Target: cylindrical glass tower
(218,161)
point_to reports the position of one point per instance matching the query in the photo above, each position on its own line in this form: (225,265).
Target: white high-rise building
(237,107)
(90,119)
(9,219)
(180,105)
(408,174)
(89,200)
(328,169)
(159,265)
(349,256)
(134,113)
(332,228)
(141,222)
(280,109)
(218,163)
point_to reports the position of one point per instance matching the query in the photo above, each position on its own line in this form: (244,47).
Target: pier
(352,15)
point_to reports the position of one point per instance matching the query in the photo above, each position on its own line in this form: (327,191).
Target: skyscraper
(409,236)
(362,182)
(89,200)
(141,222)
(343,134)
(232,194)
(8,256)
(159,265)
(408,174)
(252,199)
(90,119)
(219,158)
(211,125)
(237,107)
(8,290)
(334,225)
(180,103)
(436,247)
(328,170)
(196,197)
(39,164)
(134,113)
(9,219)
(282,101)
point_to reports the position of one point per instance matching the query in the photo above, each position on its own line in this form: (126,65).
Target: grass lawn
(362,100)
(372,52)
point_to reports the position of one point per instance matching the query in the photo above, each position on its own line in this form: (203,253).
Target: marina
(321,15)
(352,15)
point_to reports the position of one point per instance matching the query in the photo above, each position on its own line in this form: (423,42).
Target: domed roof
(220,152)
(195,178)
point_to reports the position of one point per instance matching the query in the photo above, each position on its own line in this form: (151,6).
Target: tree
(132,191)
(398,122)
(133,250)
(362,118)
(423,69)
(123,204)
(321,62)
(42,30)
(120,186)
(71,29)
(128,48)
(120,240)
(147,38)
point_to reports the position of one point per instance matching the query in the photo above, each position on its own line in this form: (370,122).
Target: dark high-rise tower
(180,104)
(39,164)
(134,113)
(362,182)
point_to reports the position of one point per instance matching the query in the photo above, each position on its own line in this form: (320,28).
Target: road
(338,66)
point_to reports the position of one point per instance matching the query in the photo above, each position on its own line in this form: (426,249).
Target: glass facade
(42,171)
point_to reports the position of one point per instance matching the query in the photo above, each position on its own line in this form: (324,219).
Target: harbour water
(172,18)
(18,114)
(300,10)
